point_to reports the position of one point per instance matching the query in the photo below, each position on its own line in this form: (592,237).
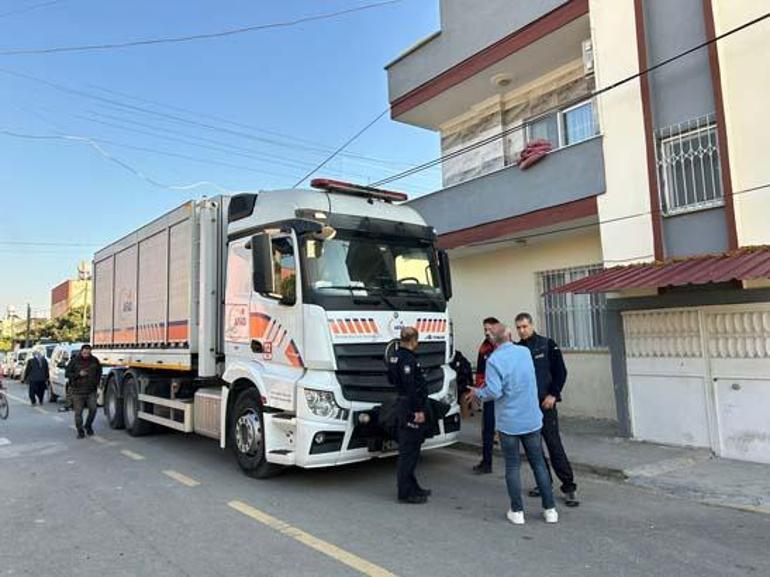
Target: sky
(133,128)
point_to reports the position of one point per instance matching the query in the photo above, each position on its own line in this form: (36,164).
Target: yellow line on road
(184,479)
(354,561)
(132,455)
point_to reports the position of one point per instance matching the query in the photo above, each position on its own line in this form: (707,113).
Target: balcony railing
(689,174)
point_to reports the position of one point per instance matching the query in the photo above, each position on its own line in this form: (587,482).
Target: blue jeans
(534,450)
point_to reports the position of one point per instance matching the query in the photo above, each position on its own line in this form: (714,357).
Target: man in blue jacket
(510,382)
(551,375)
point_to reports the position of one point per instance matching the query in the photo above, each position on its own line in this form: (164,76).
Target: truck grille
(363,376)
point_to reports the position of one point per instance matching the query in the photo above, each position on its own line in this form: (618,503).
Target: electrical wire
(594,94)
(25,9)
(196,37)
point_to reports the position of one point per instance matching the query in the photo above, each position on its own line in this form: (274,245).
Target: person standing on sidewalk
(36,377)
(84,372)
(510,382)
(551,376)
(488,408)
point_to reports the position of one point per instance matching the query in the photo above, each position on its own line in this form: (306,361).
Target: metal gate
(700,377)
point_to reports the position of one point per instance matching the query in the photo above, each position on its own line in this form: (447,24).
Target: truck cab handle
(256,346)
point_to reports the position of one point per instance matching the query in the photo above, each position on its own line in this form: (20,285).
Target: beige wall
(744,60)
(613,30)
(502,283)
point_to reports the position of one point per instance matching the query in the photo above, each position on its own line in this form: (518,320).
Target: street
(169,505)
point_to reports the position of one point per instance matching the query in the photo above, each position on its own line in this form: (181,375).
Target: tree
(69,327)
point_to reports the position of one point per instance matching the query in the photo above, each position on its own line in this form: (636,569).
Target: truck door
(275,321)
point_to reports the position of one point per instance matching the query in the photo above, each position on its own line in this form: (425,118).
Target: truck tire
(113,404)
(135,426)
(246,436)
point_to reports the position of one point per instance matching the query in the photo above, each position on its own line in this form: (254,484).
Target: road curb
(588,468)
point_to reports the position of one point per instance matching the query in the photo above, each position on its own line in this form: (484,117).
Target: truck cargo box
(147,287)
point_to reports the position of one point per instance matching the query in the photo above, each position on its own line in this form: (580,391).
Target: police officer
(551,375)
(405,374)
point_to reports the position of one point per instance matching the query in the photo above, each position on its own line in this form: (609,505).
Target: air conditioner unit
(588,56)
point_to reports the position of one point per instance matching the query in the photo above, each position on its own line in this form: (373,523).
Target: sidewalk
(595,448)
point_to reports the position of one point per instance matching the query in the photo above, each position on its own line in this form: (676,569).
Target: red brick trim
(724,155)
(574,210)
(649,136)
(490,55)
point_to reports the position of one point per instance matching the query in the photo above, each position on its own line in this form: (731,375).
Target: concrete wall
(503,283)
(625,207)
(464,32)
(743,59)
(695,233)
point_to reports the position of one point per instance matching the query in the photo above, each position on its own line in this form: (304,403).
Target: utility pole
(29,324)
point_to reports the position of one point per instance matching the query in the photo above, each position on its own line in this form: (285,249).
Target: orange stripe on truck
(259,323)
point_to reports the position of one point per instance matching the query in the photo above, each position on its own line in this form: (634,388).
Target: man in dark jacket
(84,372)
(405,373)
(551,375)
(488,408)
(36,377)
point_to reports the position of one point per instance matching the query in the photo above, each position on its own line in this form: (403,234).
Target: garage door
(701,377)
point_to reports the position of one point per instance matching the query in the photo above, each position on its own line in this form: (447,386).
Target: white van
(57,365)
(21,362)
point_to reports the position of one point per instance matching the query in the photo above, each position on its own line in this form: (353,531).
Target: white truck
(262,320)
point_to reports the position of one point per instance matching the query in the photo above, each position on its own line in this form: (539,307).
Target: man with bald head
(510,381)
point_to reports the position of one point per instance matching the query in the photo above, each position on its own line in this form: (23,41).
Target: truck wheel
(247,436)
(113,405)
(135,426)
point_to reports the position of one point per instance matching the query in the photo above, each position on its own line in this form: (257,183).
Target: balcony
(562,187)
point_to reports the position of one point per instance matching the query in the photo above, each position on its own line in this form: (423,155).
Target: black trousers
(37,391)
(557,457)
(80,402)
(410,439)
(487,432)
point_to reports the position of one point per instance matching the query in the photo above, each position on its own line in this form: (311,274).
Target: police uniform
(551,376)
(405,373)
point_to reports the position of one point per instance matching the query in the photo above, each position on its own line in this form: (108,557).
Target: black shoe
(89,431)
(570,500)
(33,403)
(81,434)
(414,500)
(424,492)
(482,469)
(534,492)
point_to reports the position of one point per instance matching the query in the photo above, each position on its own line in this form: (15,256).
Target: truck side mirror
(446,274)
(263,274)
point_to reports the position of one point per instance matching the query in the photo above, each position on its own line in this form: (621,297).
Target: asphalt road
(170,505)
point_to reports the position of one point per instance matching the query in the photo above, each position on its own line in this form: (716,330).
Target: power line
(29,8)
(594,94)
(195,37)
(342,147)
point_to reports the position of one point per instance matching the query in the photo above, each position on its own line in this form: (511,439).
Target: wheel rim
(112,403)
(248,433)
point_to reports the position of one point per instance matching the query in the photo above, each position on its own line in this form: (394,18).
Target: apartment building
(638,238)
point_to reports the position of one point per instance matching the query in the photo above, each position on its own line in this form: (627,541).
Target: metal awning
(746,263)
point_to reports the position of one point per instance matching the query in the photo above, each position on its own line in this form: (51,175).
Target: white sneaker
(516,517)
(551,516)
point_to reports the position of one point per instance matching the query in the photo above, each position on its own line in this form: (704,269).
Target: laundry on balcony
(533,153)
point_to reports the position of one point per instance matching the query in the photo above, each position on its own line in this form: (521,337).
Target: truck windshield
(363,266)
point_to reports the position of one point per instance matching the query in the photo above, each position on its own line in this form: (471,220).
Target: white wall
(613,30)
(744,60)
(503,282)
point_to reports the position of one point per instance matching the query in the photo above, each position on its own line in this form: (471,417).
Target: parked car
(60,356)
(21,361)
(10,361)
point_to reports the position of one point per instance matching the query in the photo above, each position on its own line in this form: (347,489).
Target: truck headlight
(451,395)
(323,404)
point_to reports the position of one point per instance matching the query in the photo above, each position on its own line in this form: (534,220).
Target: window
(578,123)
(565,127)
(544,128)
(284,270)
(574,321)
(689,174)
